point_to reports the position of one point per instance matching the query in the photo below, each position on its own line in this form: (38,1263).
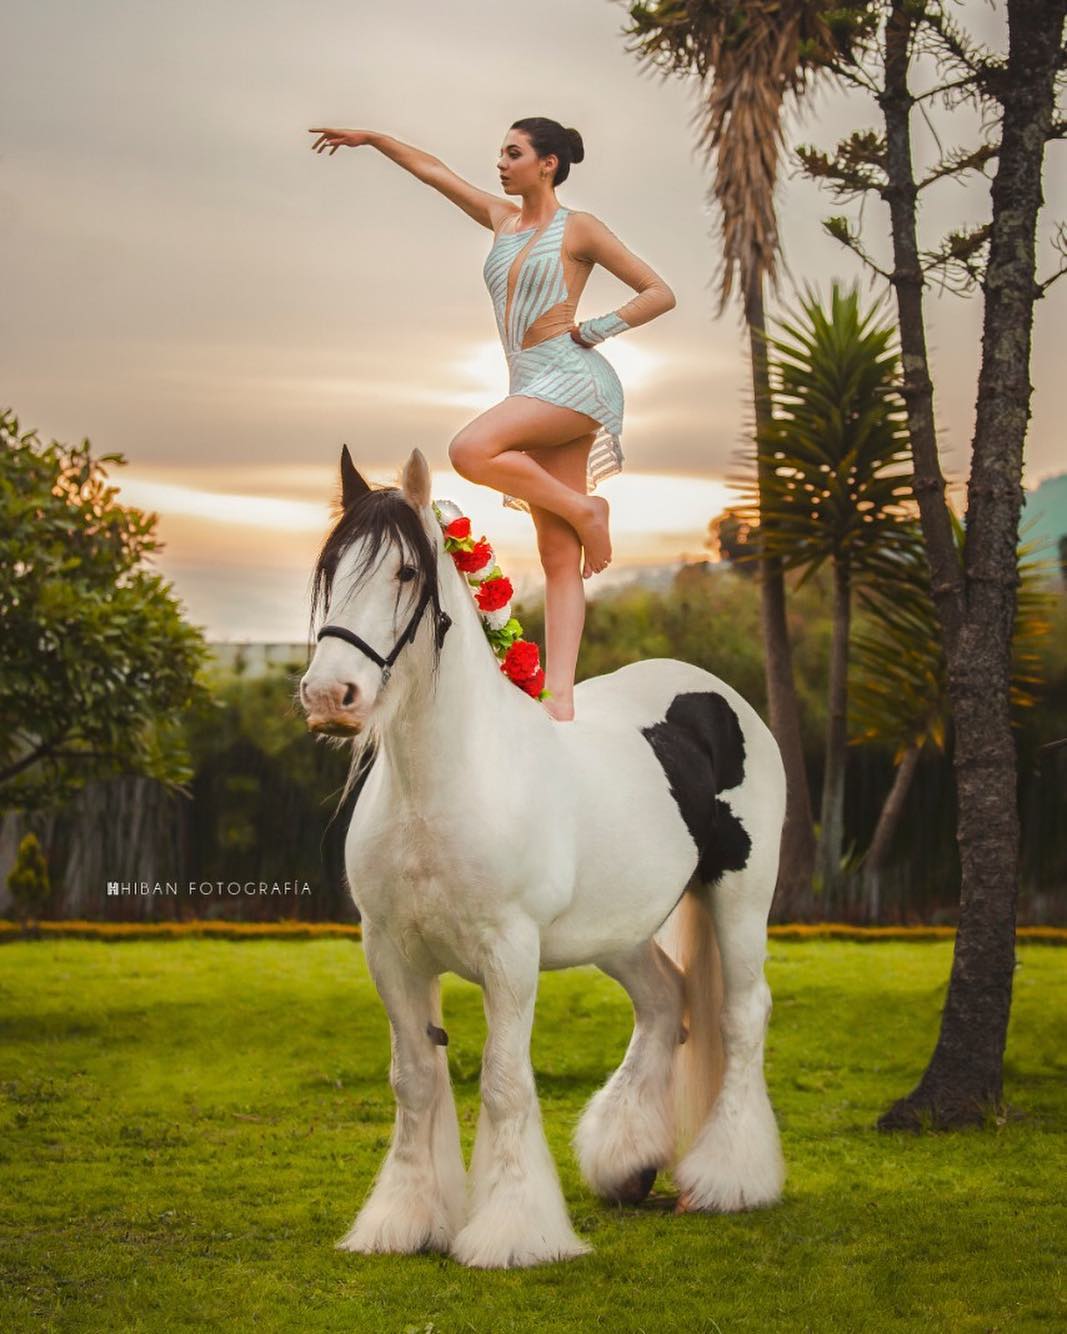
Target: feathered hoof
(735,1163)
(723,1192)
(478,1253)
(621,1142)
(516,1238)
(390,1231)
(735,1201)
(635,1188)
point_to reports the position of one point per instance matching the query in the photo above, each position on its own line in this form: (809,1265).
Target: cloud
(195,288)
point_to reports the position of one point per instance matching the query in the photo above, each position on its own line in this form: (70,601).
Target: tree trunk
(832,815)
(946,582)
(888,821)
(793,897)
(963,1083)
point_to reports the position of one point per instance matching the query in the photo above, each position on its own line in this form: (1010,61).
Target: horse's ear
(353,487)
(415,480)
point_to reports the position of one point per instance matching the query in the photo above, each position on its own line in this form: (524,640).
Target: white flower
(447,510)
(496,620)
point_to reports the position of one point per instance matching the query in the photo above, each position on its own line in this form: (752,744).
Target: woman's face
(519,166)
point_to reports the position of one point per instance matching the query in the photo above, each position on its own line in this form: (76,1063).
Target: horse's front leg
(417,1201)
(518,1215)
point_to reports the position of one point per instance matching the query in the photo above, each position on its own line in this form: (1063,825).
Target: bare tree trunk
(888,821)
(946,583)
(793,897)
(832,816)
(964,1080)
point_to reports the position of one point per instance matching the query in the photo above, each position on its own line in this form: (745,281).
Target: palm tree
(898,690)
(750,57)
(835,487)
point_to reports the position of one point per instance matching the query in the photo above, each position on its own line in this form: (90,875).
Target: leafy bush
(97,663)
(28,880)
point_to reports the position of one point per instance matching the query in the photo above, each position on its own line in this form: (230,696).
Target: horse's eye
(406,572)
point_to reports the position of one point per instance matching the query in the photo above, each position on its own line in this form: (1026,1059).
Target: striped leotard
(535,280)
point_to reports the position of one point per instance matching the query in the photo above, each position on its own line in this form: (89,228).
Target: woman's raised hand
(335,139)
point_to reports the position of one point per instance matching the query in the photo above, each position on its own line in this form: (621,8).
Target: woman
(557,433)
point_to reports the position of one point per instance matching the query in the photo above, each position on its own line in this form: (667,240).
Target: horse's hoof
(636,1187)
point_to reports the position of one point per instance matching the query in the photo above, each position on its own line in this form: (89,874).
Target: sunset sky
(187,283)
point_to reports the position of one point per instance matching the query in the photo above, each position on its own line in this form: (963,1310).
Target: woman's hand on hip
(335,139)
(578,337)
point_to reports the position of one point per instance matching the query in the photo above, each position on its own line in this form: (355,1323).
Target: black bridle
(386,664)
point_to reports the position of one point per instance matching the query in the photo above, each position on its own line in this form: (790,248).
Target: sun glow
(656,519)
(482,376)
(654,506)
(636,365)
(241,561)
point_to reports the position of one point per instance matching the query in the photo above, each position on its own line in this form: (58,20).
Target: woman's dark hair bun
(549,136)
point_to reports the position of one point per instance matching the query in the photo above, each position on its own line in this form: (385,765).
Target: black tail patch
(702,749)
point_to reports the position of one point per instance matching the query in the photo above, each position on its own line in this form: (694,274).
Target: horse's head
(375,582)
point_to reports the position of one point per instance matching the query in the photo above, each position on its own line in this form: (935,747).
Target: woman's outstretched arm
(488,209)
(598,244)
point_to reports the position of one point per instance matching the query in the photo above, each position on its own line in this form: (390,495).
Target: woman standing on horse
(558,431)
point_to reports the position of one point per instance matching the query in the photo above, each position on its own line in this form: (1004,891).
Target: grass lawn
(187,1127)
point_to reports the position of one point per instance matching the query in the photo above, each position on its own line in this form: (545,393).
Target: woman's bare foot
(595,538)
(561,711)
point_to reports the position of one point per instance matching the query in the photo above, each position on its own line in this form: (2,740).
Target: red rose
(459,528)
(493,594)
(469,561)
(535,684)
(522,660)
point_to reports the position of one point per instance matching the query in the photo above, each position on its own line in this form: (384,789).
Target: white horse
(492,841)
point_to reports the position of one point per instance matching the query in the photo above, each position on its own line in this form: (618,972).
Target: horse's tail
(688,937)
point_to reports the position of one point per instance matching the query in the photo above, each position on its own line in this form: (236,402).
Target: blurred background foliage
(263,792)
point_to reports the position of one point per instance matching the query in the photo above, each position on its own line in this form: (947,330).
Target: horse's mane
(380,519)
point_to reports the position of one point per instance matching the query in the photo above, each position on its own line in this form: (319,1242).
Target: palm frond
(898,686)
(750,55)
(836,481)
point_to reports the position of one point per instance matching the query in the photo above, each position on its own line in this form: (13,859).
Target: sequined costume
(535,277)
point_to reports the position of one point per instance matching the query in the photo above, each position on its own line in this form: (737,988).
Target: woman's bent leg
(489,451)
(560,551)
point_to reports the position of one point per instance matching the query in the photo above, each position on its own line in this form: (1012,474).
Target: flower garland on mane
(520,660)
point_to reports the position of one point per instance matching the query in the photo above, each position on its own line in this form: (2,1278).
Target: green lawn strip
(188,1126)
(293,929)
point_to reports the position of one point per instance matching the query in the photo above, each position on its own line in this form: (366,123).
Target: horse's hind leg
(518,1214)
(418,1198)
(626,1133)
(736,1162)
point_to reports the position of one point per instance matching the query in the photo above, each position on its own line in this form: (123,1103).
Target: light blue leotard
(557,370)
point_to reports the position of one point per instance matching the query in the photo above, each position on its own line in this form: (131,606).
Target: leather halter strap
(386,664)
